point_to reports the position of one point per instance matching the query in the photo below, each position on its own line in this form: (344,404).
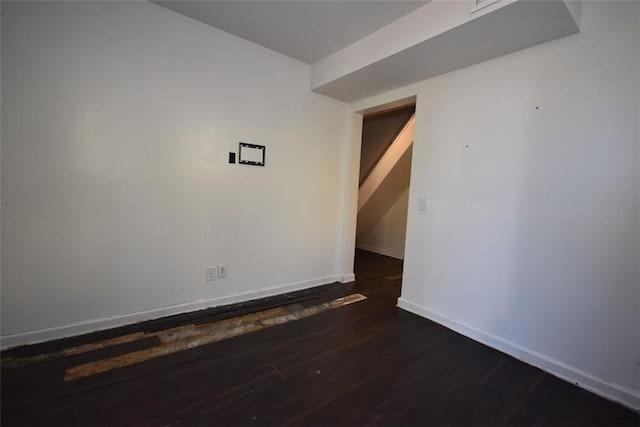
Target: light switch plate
(423,204)
(222,271)
(212,272)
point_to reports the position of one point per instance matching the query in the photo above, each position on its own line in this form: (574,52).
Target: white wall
(533,239)
(116,192)
(387,236)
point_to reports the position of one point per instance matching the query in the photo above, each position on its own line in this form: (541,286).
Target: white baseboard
(381,251)
(93,325)
(348,278)
(615,392)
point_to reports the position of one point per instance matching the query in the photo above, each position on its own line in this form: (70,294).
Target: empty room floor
(307,358)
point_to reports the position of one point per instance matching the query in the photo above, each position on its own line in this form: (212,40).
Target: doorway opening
(383,192)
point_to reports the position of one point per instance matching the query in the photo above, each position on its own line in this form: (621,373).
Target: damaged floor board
(213,382)
(211,379)
(216,380)
(9,362)
(377,366)
(195,317)
(339,369)
(243,370)
(187,337)
(286,345)
(37,353)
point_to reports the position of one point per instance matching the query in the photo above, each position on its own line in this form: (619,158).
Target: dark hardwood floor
(367,363)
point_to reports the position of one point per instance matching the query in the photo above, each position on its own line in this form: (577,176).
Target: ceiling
(466,39)
(308,30)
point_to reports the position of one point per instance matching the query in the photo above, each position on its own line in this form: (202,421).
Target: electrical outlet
(222,271)
(211,273)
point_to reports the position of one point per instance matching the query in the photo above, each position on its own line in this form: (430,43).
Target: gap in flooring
(366,363)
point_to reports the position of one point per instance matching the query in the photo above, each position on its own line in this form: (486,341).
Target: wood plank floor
(367,363)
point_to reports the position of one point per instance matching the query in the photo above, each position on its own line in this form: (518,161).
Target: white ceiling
(307,30)
(466,39)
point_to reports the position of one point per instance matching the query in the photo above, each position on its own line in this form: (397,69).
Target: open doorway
(383,192)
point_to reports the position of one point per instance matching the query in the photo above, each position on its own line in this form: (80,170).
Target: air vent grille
(479,4)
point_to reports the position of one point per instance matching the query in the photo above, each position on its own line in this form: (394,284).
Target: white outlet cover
(211,273)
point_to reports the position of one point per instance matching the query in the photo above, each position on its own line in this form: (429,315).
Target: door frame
(389,101)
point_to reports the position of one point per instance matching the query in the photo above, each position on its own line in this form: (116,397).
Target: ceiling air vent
(479,4)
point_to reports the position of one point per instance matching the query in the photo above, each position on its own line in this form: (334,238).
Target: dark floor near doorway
(367,363)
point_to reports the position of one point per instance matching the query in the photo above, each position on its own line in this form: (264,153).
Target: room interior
(125,198)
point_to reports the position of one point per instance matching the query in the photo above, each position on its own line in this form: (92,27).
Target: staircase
(387,180)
